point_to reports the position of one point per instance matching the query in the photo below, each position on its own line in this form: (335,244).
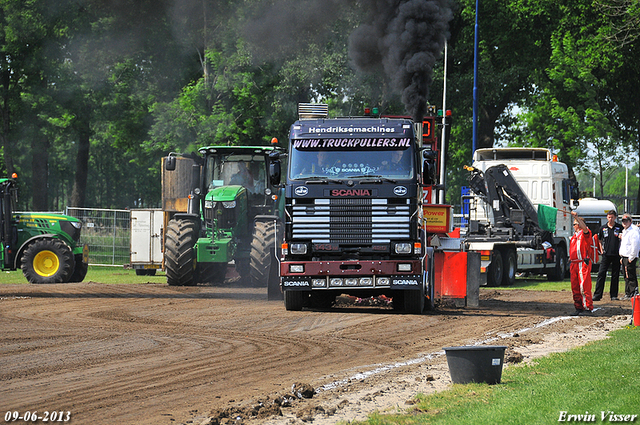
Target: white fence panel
(107,232)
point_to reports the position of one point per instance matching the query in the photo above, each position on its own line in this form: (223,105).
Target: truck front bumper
(392,274)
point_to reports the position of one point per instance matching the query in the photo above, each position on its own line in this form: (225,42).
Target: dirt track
(153,354)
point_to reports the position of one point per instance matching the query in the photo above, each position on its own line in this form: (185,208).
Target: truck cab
(353,212)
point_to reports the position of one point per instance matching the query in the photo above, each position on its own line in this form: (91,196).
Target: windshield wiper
(319,180)
(373,178)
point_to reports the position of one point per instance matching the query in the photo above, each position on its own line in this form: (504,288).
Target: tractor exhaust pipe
(193,204)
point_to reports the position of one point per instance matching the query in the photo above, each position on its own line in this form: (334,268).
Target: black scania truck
(353,215)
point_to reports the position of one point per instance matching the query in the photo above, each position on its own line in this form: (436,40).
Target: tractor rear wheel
(48,261)
(179,254)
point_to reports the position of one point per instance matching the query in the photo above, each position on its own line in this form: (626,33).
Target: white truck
(594,212)
(146,241)
(519,216)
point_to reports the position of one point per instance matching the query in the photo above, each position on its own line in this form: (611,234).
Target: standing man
(629,247)
(609,239)
(580,254)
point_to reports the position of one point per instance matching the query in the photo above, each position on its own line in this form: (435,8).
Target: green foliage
(134,80)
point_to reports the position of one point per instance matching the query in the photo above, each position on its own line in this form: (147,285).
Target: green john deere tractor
(234,213)
(45,246)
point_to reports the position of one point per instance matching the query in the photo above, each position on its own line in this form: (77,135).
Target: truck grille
(351,221)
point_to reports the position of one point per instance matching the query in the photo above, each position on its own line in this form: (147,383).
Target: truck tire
(145,272)
(414,301)
(80,270)
(48,261)
(262,258)
(495,271)
(294,300)
(557,273)
(510,267)
(179,254)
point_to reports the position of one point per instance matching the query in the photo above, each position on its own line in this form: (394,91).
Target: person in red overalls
(581,256)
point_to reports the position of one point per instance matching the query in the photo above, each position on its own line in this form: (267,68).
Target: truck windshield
(394,164)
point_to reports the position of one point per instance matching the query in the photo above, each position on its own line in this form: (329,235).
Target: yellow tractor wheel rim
(46,263)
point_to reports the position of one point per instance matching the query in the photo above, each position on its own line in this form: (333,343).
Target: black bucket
(482,363)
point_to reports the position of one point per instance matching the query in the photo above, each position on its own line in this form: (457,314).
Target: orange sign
(437,218)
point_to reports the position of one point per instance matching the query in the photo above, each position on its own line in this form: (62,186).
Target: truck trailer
(519,216)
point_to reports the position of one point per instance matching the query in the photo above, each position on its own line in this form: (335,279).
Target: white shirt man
(629,247)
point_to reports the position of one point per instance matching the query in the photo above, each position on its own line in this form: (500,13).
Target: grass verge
(100,274)
(596,380)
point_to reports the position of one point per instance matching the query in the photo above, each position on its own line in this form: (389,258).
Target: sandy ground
(154,354)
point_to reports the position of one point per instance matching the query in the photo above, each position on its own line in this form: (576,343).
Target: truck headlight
(335,281)
(404,267)
(298,248)
(383,281)
(296,268)
(229,204)
(404,248)
(319,283)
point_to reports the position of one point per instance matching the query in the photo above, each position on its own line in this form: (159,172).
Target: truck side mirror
(429,176)
(170,163)
(275,172)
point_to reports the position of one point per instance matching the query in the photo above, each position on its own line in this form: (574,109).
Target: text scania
(384,143)
(350,192)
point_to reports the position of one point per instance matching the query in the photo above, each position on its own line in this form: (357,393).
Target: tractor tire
(179,254)
(48,261)
(262,259)
(80,270)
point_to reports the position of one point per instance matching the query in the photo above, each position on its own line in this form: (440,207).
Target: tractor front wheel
(48,261)
(263,247)
(179,252)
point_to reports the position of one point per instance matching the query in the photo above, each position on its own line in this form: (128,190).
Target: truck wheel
(414,301)
(80,271)
(294,300)
(179,255)
(48,261)
(262,259)
(557,272)
(510,267)
(495,270)
(145,272)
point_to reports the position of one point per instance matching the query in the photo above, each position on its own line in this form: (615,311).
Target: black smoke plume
(405,38)
(402,37)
